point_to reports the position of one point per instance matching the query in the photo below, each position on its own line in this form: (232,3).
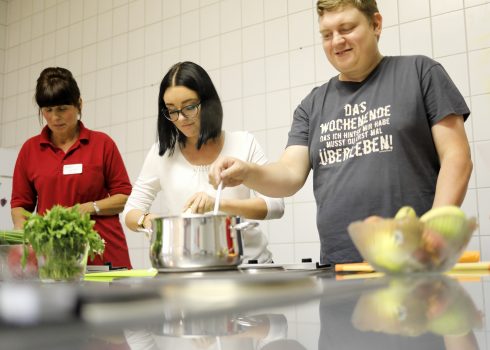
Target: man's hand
(231,171)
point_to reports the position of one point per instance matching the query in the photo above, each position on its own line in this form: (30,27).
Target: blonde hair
(367,7)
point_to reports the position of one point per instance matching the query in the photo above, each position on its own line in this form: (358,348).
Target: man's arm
(455,158)
(279,179)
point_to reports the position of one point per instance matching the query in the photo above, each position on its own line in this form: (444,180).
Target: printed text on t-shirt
(361,131)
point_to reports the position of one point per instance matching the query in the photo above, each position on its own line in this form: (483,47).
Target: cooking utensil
(197,242)
(218,198)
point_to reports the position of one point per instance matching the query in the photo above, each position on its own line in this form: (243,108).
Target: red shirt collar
(83,137)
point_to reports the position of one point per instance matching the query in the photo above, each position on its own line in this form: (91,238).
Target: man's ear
(377,24)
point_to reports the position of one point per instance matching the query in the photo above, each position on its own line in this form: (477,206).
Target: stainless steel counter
(267,309)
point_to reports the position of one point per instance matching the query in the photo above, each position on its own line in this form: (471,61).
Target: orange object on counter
(471,266)
(354,267)
(471,256)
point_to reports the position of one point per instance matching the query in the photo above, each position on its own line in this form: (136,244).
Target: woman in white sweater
(190,139)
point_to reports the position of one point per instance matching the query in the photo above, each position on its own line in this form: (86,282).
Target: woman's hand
(88,207)
(199,203)
(133,217)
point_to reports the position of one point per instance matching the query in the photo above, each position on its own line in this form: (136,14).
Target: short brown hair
(367,7)
(55,87)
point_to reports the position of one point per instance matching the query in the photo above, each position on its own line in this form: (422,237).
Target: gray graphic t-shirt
(371,147)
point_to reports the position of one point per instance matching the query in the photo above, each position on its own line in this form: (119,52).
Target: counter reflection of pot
(221,331)
(197,242)
(188,327)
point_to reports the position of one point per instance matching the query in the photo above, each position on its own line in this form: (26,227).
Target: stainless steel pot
(197,242)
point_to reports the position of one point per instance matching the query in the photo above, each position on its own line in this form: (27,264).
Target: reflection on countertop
(227,310)
(417,312)
(227,331)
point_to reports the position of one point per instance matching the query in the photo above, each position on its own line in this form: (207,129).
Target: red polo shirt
(43,177)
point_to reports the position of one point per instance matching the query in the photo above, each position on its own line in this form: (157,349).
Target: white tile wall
(233,108)
(252,12)
(479,71)
(448,28)
(457,67)
(253,77)
(278,110)
(275,8)
(443,6)
(209,21)
(276,36)
(301,26)
(415,39)
(264,57)
(480,106)
(477,26)
(413,10)
(254,113)
(230,15)
(253,42)
(277,72)
(231,48)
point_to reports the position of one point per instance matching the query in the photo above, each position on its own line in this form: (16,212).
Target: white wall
(3,36)
(264,57)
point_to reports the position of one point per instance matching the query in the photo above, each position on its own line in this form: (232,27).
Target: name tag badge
(69,169)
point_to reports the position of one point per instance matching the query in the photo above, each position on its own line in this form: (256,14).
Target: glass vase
(59,265)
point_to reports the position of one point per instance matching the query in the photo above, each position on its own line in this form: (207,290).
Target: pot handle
(246,225)
(146,231)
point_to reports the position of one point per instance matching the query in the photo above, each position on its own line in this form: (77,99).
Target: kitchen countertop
(254,309)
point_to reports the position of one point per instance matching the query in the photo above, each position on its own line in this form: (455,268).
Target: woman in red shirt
(68,164)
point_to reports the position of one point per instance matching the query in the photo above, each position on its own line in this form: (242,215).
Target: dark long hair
(55,87)
(195,78)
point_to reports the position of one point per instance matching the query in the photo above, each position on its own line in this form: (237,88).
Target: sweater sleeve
(147,186)
(275,206)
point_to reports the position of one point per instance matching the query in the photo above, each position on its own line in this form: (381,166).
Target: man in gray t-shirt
(386,132)
(370,145)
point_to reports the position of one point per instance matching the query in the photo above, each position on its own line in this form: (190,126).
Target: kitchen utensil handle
(146,231)
(218,198)
(246,225)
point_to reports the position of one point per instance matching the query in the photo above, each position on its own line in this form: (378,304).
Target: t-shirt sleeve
(115,174)
(23,193)
(442,97)
(300,128)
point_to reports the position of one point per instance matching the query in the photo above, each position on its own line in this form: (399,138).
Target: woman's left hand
(199,203)
(84,208)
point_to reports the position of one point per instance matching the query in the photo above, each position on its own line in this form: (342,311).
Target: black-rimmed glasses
(189,111)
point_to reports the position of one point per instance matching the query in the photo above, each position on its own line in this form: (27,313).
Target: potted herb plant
(63,239)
